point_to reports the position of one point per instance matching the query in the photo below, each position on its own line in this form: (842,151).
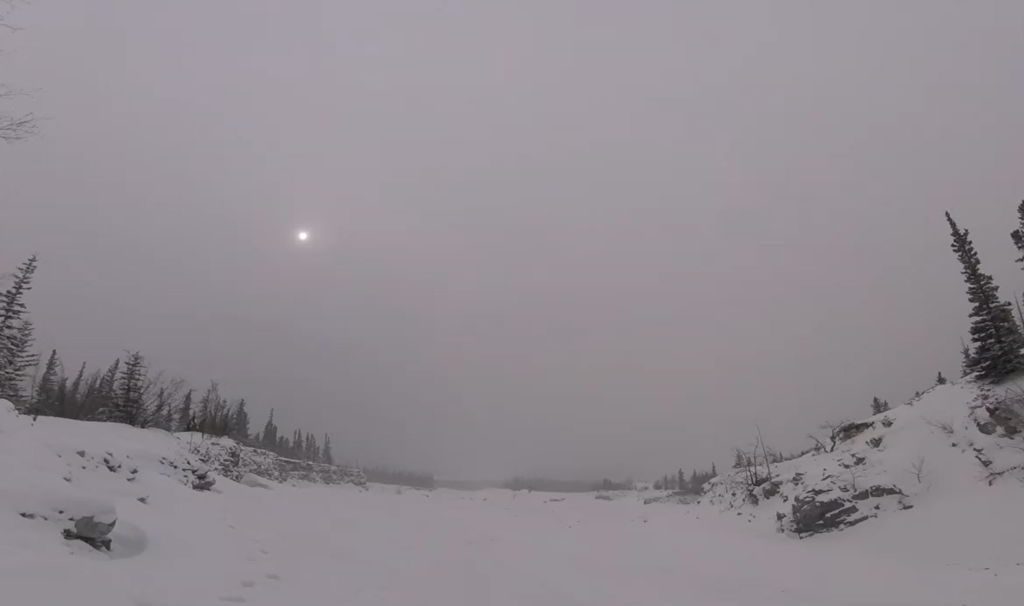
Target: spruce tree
(185,421)
(1017,235)
(940,379)
(996,337)
(270,433)
(209,408)
(16,334)
(879,406)
(327,456)
(240,422)
(75,395)
(105,391)
(45,399)
(681,479)
(128,404)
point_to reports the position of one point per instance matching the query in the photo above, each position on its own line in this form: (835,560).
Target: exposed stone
(876,492)
(986,427)
(92,531)
(852,430)
(1006,415)
(770,489)
(811,516)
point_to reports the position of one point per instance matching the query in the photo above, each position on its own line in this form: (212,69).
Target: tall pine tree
(16,340)
(996,337)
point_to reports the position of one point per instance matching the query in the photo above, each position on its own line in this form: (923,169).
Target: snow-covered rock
(235,461)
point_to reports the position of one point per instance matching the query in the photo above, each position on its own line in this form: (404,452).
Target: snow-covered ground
(315,544)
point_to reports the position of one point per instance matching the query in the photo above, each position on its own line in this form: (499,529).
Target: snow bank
(940,446)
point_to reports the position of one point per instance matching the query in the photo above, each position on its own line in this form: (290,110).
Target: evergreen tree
(941,380)
(105,391)
(160,408)
(185,420)
(997,338)
(128,404)
(169,418)
(681,480)
(965,358)
(739,462)
(878,406)
(75,395)
(270,433)
(61,400)
(209,406)
(714,471)
(240,422)
(1017,235)
(16,334)
(45,398)
(327,456)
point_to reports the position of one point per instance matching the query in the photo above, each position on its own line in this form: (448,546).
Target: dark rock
(876,492)
(811,516)
(852,430)
(987,427)
(91,531)
(770,489)
(1006,416)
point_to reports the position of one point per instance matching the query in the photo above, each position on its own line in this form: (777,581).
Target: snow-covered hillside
(953,441)
(261,542)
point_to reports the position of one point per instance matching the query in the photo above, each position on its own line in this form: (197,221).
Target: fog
(577,239)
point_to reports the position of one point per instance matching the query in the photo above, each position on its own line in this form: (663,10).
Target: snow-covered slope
(264,543)
(940,447)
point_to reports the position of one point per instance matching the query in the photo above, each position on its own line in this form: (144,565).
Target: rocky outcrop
(235,462)
(816,512)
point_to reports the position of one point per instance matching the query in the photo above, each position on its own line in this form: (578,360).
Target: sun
(302,235)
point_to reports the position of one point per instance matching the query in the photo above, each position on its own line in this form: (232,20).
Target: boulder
(812,516)
(852,430)
(93,530)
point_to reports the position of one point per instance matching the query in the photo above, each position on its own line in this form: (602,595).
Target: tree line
(678,482)
(127,391)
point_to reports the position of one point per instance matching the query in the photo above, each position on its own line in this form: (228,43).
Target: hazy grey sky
(587,238)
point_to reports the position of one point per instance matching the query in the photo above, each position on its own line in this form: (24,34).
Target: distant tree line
(553,485)
(399,477)
(678,481)
(126,391)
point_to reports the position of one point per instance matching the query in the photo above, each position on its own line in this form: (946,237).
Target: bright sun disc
(303,236)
